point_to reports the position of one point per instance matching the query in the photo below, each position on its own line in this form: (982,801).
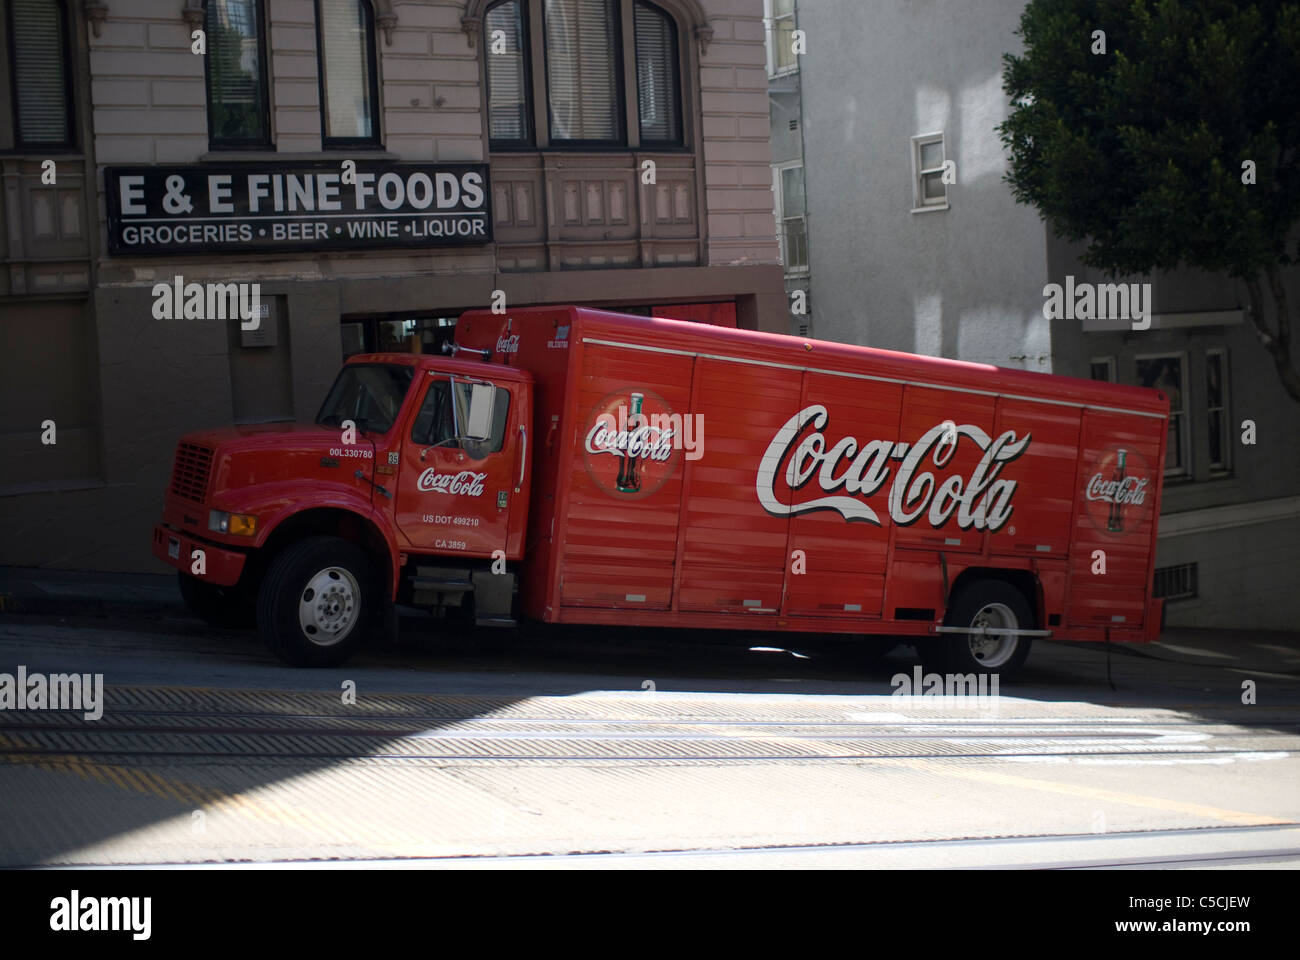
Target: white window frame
(919,202)
(778,193)
(1184,469)
(1224,466)
(1111,367)
(769,32)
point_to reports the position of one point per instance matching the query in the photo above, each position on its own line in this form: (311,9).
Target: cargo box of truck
(571,465)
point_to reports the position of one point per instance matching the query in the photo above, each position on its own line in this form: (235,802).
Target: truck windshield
(370,395)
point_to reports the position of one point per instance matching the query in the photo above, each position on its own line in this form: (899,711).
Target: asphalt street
(642,749)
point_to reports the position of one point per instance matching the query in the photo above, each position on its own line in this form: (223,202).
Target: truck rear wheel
(316,602)
(984,603)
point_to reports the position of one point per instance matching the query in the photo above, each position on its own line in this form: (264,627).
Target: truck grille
(191,470)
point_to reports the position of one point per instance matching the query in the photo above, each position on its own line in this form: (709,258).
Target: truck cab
(410,486)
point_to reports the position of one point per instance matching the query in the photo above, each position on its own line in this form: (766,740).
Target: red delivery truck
(577,466)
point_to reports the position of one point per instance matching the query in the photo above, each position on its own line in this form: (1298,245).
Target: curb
(44,605)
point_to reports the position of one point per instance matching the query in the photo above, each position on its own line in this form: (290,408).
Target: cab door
(454,494)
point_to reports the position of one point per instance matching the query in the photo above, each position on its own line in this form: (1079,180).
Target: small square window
(1103,369)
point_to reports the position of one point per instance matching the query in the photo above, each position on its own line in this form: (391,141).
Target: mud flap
(493,598)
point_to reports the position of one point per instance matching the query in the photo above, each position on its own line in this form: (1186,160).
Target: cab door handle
(523,457)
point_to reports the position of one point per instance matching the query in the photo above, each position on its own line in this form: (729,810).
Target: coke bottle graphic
(1115,522)
(629,479)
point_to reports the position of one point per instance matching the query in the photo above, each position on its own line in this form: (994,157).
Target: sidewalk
(52,592)
(32,590)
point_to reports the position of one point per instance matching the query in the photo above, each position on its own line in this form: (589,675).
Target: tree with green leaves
(1166,134)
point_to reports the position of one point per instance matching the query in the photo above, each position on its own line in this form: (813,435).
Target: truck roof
(443,363)
(805,353)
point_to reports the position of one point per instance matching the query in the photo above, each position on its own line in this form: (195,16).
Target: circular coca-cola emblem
(631,441)
(1118,491)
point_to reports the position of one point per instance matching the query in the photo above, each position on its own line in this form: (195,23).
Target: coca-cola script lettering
(1129,490)
(508,344)
(467,483)
(981,501)
(646,442)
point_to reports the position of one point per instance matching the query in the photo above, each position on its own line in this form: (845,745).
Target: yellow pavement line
(321,822)
(1237,817)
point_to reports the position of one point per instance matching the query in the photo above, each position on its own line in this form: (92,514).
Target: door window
(435,425)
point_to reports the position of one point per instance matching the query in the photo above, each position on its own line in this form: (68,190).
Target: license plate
(173,548)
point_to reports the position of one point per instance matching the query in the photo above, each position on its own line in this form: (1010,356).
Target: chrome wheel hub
(328,606)
(992,650)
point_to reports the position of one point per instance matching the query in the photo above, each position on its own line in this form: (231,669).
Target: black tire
(220,606)
(999,604)
(299,626)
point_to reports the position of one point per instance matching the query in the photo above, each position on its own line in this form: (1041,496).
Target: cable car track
(151,735)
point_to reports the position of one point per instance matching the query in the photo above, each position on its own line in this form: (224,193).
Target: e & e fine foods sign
(237,208)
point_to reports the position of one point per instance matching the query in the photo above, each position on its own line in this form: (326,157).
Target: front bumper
(175,548)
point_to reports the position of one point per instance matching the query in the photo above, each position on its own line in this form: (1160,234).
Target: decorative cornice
(704,35)
(192,13)
(472,26)
(386,18)
(96,13)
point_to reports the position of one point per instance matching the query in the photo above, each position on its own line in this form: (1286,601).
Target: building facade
(374,167)
(790,204)
(917,244)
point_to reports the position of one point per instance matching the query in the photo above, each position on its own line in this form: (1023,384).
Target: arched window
(508,86)
(591,53)
(349,83)
(238,109)
(584,92)
(657,79)
(40,75)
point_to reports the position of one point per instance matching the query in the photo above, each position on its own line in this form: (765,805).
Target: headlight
(238,524)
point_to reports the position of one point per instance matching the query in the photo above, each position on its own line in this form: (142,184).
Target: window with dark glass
(509,120)
(238,112)
(345,46)
(1102,368)
(38,48)
(369,394)
(435,424)
(1167,373)
(582,71)
(656,76)
(1216,408)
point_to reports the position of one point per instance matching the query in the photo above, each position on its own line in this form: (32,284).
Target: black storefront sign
(251,207)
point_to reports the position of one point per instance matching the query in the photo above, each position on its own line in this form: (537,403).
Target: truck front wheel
(315,603)
(984,603)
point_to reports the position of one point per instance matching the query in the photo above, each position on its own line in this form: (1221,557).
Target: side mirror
(482,400)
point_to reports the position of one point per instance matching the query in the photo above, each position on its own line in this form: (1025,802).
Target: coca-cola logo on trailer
(844,475)
(467,483)
(631,442)
(1117,491)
